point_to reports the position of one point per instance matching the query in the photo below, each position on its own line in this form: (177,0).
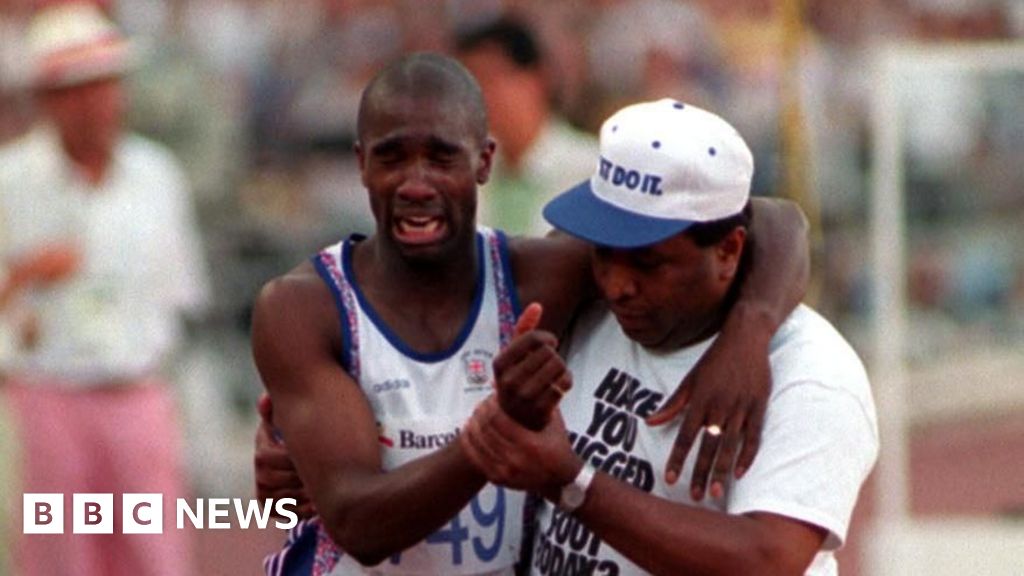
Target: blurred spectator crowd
(257,98)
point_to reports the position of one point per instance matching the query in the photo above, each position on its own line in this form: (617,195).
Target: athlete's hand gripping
(274,470)
(513,456)
(529,375)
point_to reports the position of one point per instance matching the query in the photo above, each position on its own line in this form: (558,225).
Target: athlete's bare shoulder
(298,284)
(555,271)
(297,302)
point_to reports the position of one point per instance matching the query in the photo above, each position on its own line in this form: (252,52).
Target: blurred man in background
(101,256)
(539,153)
(13,120)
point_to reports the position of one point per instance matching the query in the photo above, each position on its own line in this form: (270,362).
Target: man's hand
(45,266)
(530,377)
(728,388)
(275,473)
(513,456)
(48,265)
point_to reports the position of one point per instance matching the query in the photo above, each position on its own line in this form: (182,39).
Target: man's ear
(361,160)
(360,154)
(483,172)
(729,251)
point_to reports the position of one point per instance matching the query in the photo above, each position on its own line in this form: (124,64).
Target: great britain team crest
(477,364)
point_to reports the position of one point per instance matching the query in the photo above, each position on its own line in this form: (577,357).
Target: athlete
(376,351)
(667,266)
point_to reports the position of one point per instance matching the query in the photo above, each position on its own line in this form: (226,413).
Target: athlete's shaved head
(428,76)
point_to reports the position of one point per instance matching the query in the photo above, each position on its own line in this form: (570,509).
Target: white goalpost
(899,544)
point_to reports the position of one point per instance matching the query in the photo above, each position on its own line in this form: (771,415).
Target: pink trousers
(112,439)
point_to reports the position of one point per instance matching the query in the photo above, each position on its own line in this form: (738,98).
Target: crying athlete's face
(421,162)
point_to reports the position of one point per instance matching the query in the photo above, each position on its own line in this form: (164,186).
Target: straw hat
(74,43)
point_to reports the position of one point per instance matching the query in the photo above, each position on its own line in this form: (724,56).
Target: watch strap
(574,493)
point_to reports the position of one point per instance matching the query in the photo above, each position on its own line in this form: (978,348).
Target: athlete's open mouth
(419,229)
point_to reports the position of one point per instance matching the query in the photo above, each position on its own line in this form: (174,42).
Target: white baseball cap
(664,166)
(74,43)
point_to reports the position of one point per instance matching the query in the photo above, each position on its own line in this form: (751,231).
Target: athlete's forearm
(779,265)
(379,515)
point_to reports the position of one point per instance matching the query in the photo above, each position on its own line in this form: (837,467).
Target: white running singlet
(421,401)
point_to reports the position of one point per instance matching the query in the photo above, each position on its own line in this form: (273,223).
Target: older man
(102,258)
(667,249)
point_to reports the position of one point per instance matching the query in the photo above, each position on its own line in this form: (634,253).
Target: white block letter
(219,508)
(142,513)
(293,518)
(92,514)
(196,517)
(43,513)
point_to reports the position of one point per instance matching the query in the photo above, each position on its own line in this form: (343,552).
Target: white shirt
(560,158)
(142,265)
(819,441)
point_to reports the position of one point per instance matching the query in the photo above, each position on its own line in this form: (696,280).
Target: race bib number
(483,537)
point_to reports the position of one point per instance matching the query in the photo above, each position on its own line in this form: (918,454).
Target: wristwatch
(574,493)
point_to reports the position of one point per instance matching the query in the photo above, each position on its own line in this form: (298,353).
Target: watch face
(572,497)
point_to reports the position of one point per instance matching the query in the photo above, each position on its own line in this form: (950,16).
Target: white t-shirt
(561,157)
(819,441)
(142,263)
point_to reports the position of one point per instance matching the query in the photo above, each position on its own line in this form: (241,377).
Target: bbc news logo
(144,513)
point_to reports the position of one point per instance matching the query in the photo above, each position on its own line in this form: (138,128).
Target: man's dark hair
(427,75)
(511,35)
(706,234)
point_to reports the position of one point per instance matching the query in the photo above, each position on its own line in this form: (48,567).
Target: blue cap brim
(580,213)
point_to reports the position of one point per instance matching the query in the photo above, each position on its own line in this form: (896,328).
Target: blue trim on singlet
(394,339)
(339,303)
(298,555)
(299,561)
(506,266)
